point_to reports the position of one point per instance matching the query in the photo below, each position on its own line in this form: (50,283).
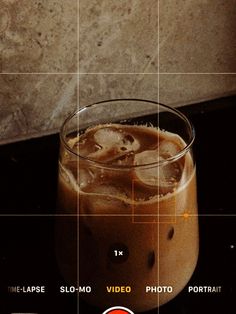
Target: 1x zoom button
(118,253)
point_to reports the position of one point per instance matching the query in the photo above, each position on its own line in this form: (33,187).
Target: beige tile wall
(118,47)
(198,36)
(118,36)
(38,36)
(33,105)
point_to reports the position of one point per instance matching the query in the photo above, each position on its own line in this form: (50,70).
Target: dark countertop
(28,194)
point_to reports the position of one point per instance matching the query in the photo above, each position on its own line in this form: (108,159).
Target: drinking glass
(127,227)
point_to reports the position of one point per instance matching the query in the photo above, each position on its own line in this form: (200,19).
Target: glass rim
(100,164)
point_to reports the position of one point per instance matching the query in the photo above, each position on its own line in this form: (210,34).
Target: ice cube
(87,146)
(103,145)
(164,176)
(147,175)
(123,159)
(129,143)
(168,149)
(113,146)
(170,174)
(111,137)
(85,177)
(107,199)
(108,137)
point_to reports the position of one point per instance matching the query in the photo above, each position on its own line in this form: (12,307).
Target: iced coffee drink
(130,195)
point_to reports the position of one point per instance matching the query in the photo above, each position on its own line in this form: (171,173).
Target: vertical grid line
(77,105)
(158,169)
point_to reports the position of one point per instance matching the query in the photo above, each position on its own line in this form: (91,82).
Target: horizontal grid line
(197,73)
(39,73)
(158,73)
(118,73)
(116,215)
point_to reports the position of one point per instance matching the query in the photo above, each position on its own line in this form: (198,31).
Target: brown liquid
(139,207)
